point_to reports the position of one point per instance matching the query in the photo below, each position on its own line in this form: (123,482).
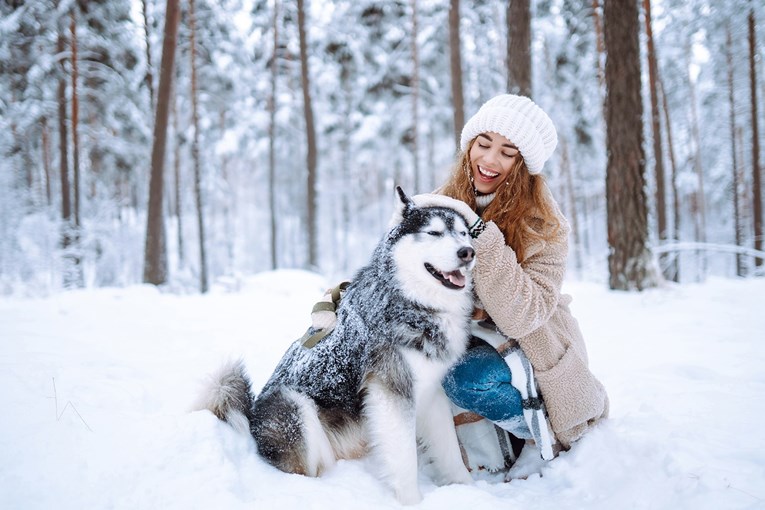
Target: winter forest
(193,143)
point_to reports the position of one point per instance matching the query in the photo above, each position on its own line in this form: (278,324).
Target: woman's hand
(434,200)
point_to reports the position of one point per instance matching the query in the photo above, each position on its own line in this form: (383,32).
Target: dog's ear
(405,200)
(401,209)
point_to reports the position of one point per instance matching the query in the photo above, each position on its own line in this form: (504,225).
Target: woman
(521,242)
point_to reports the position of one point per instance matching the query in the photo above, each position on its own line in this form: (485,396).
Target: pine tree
(155,254)
(629,259)
(455,49)
(759,230)
(195,152)
(519,47)
(310,128)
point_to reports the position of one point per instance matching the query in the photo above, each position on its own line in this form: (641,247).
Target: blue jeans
(481,382)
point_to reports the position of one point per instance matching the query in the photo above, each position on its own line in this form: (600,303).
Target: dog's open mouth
(452,280)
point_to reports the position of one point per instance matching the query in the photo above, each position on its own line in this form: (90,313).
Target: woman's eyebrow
(508,145)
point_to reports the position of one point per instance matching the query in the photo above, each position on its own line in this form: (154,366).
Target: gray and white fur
(373,385)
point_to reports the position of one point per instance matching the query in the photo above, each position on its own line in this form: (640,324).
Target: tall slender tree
(698,199)
(155,252)
(519,47)
(76,177)
(63,146)
(740,271)
(149,78)
(274,64)
(658,151)
(177,142)
(415,98)
(455,61)
(195,153)
(759,232)
(596,20)
(45,147)
(310,129)
(675,264)
(75,104)
(629,259)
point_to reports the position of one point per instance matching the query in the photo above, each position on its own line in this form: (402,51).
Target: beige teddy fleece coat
(525,302)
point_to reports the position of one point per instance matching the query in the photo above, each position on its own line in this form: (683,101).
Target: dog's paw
(457,475)
(408,496)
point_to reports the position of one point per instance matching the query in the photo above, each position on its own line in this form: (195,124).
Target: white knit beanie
(521,121)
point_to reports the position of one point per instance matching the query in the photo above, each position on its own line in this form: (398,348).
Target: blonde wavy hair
(521,208)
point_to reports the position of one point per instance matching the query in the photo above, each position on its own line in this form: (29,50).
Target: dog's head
(431,250)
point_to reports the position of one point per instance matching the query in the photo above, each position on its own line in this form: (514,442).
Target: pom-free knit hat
(521,121)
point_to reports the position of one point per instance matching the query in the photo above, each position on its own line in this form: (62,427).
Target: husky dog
(372,385)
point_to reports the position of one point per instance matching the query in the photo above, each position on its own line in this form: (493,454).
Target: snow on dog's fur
(373,385)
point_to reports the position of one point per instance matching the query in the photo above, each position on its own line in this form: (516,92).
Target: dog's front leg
(435,427)
(391,424)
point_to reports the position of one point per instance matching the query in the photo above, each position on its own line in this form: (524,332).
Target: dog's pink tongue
(456,278)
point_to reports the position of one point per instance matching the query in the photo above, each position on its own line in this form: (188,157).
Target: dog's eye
(435,233)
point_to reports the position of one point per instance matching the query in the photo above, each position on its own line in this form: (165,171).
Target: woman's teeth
(487,173)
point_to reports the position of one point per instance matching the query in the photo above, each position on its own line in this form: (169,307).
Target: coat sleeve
(519,297)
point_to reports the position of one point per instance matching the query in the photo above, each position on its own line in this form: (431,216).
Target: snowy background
(96,388)
(97,384)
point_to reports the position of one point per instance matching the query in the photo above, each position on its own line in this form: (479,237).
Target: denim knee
(481,382)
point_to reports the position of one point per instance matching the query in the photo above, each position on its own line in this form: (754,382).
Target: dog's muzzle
(455,279)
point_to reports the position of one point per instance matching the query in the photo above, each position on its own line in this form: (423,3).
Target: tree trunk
(629,258)
(63,143)
(658,151)
(572,209)
(155,253)
(177,177)
(675,264)
(698,201)
(415,99)
(229,206)
(77,257)
(149,78)
(456,69)
(598,42)
(345,166)
(195,156)
(740,270)
(272,139)
(310,141)
(75,122)
(519,47)
(759,234)
(46,160)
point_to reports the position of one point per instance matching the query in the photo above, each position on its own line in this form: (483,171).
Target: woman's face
(492,156)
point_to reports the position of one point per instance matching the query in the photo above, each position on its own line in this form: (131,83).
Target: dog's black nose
(466,253)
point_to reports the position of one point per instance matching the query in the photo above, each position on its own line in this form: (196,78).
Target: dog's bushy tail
(229,396)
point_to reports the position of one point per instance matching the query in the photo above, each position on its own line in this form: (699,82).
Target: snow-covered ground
(96,388)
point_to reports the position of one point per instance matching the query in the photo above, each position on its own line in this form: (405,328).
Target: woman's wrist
(477,227)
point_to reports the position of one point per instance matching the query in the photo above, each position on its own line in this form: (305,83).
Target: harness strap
(309,339)
(324,306)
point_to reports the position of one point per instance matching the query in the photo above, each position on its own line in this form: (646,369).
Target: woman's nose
(491,156)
